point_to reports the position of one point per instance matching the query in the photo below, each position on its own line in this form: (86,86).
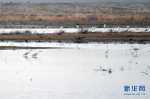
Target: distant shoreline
(105,38)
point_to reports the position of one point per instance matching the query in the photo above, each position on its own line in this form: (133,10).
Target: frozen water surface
(74,73)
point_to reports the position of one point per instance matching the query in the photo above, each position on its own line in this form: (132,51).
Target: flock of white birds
(74,30)
(33,55)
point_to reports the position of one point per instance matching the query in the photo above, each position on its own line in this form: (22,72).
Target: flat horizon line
(84,2)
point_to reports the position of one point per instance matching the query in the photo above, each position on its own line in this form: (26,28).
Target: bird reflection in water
(26,57)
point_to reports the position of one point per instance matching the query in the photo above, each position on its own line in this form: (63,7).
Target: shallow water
(74,73)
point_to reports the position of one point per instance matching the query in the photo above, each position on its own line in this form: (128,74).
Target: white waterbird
(135,49)
(106,50)
(35,54)
(26,53)
(77,26)
(104,25)
(147,28)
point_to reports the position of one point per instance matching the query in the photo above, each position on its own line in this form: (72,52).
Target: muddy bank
(73,37)
(129,38)
(22,47)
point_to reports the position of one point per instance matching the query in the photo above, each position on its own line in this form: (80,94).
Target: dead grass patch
(80,17)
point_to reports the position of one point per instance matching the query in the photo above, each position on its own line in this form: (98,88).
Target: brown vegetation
(71,37)
(80,17)
(28,15)
(22,47)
